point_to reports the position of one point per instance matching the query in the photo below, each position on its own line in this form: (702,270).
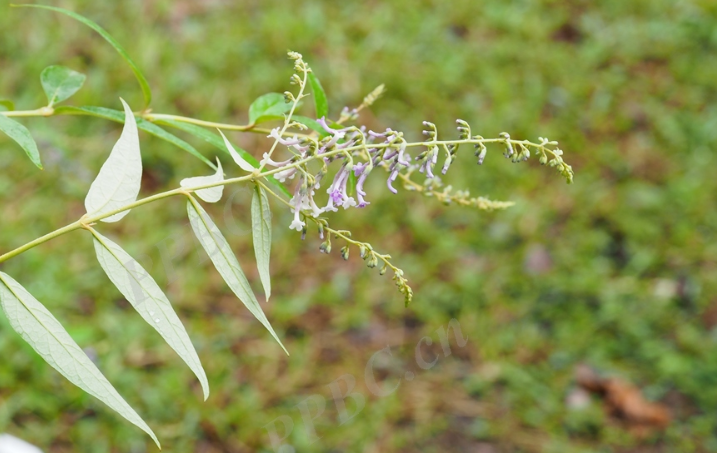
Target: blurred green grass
(616,271)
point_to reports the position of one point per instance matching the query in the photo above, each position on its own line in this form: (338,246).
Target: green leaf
(218,143)
(119,179)
(140,289)
(212,194)
(50,340)
(238,159)
(137,73)
(261,232)
(311,124)
(60,83)
(7,104)
(225,262)
(352,184)
(147,126)
(270,106)
(21,135)
(320,101)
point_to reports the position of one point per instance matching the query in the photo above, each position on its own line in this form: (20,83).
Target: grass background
(615,271)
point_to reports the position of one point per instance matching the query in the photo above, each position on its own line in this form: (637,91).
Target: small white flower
(297,225)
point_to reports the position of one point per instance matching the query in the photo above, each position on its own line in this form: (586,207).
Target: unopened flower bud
(363,251)
(345,252)
(372,261)
(325,246)
(481,151)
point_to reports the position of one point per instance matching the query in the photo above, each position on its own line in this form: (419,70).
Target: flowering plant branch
(304,152)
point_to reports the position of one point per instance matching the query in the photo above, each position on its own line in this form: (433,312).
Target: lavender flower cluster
(360,151)
(390,152)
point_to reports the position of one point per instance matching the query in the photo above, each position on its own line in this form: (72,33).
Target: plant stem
(42,111)
(287,120)
(209,124)
(49,111)
(40,240)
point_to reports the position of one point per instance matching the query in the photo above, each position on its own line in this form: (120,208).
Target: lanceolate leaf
(118,182)
(46,335)
(21,135)
(320,101)
(60,83)
(238,159)
(140,289)
(270,106)
(147,126)
(211,195)
(7,104)
(217,142)
(225,262)
(137,73)
(261,232)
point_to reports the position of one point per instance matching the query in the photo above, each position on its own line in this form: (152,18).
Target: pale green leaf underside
(60,82)
(261,232)
(21,135)
(268,107)
(225,262)
(46,335)
(140,289)
(212,194)
(118,182)
(238,159)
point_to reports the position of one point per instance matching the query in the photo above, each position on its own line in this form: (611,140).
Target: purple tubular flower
(267,160)
(322,122)
(361,171)
(403,158)
(428,164)
(289,173)
(389,154)
(446,165)
(296,204)
(331,143)
(275,135)
(337,191)
(324,125)
(391,179)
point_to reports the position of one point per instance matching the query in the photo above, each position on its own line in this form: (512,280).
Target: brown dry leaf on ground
(625,401)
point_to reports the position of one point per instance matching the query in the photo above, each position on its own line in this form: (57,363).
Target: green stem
(42,111)
(71,227)
(287,120)
(49,111)
(208,124)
